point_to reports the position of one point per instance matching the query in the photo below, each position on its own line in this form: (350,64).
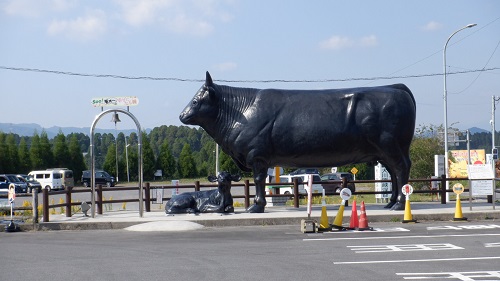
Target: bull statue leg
(259,203)
(400,173)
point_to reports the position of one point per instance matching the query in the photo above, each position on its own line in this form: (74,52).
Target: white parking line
(465,276)
(400,237)
(423,260)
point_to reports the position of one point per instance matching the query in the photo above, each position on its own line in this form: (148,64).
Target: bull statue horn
(208,80)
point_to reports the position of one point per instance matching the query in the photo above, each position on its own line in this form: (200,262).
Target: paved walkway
(277,215)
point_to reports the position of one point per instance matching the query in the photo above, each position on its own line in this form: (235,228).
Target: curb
(394,218)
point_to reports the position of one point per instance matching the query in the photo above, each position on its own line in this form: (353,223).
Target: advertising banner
(458,162)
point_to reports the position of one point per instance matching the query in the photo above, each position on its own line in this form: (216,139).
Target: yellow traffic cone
(323,222)
(337,223)
(458,211)
(408,217)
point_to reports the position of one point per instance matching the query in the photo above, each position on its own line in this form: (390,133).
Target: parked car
(21,187)
(101,177)
(305,171)
(31,182)
(335,188)
(302,180)
(4,187)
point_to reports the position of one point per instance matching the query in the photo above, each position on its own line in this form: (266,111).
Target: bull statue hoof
(256,209)
(390,204)
(399,206)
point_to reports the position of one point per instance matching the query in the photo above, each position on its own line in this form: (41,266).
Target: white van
(49,179)
(302,179)
(67,177)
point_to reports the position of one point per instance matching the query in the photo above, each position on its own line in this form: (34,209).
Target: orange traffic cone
(337,223)
(354,216)
(363,220)
(458,211)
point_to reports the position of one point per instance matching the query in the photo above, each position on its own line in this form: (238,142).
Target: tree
(424,146)
(24,157)
(227,164)
(3,153)
(62,157)
(187,167)
(148,158)
(36,153)
(166,161)
(77,163)
(10,154)
(110,160)
(46,151)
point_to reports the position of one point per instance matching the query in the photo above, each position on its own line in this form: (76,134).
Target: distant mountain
(30,129)
(474,130)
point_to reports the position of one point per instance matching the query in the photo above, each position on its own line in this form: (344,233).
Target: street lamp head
(471,25)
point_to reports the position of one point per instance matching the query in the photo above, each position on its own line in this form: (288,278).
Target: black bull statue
(263,128)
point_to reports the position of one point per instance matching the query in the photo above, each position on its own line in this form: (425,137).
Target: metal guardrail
(197,186)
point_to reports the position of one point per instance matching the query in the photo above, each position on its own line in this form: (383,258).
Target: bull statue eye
(194,102)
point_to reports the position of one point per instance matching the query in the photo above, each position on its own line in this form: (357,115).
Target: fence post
(295,192)
(45,205)
(35,206)
(197,186)
(147,197)
(247,194)
(68,201)
(99,199)
(443,189)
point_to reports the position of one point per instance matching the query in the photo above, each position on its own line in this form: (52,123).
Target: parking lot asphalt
(274,215)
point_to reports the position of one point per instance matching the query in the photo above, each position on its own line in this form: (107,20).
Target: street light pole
(126,156)
(446,107)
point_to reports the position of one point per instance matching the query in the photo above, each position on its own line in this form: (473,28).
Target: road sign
(114,101)
(407,189)
(345,193)
(458,188)
(12,193)
(354,170)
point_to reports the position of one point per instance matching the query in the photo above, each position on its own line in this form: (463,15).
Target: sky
(57,55)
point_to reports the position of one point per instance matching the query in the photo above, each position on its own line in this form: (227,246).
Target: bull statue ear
(212,178)
(208,80)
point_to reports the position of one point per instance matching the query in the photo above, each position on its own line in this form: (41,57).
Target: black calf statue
(217,200)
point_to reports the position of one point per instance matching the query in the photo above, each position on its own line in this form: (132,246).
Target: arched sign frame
(92,157)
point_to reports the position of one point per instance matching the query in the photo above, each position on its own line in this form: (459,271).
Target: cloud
(339,42)
(35,9)
(88,27)
(369,41)
(432,25)
(186,17)
(336,43)
(225,66)
(143,12)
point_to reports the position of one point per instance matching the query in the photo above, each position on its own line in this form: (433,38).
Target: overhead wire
(115,76)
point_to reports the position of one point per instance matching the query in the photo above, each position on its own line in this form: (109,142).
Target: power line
(58,72)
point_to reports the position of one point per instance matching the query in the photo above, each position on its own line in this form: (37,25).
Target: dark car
(21,187)
(101,177)
(31,182)
(335,188)
(305,171)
